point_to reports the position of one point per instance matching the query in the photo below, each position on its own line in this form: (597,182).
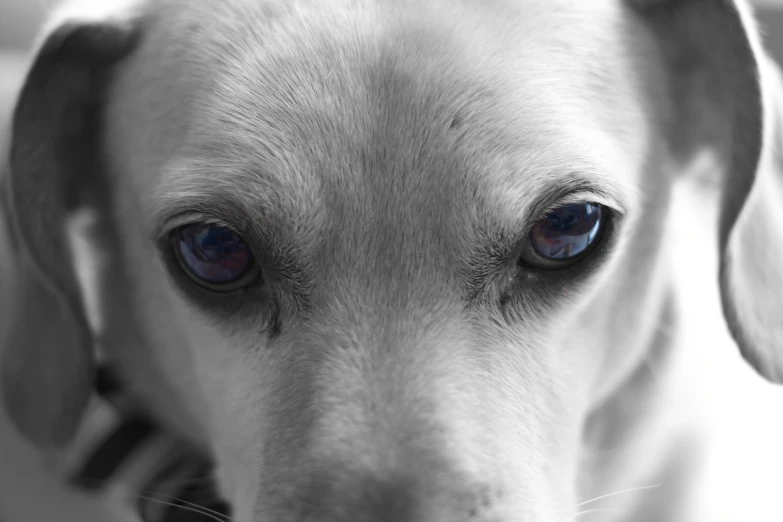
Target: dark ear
(54,169)
(751,274)
(725,97)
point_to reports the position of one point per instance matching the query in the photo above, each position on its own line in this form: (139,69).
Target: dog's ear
(54,170)
(724,95)
(751,275)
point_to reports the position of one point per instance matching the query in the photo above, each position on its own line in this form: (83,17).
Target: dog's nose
(365,500)
(335,498)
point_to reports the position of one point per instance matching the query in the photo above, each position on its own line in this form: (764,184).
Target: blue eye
(567,232)
(214,256)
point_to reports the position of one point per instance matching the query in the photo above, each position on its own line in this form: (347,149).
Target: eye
(565,234)
(214,256)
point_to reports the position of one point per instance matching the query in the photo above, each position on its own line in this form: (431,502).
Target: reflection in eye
(567,231)
(212,253)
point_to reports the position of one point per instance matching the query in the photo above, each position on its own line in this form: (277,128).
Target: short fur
(385,161)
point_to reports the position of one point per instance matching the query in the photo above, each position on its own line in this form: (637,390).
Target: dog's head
(383,258)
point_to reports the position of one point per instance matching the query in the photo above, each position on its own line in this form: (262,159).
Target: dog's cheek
(232,374)
(205,381)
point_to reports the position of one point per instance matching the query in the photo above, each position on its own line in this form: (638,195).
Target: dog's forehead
(432,105)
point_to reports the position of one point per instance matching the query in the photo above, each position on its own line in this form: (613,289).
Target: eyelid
(172,211)
(190,218)
(592,197)
(558,199)
(582,196)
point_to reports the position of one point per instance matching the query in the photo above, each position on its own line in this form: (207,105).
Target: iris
(567,232)
(213,254)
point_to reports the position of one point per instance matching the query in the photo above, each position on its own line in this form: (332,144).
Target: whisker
(189,481)
(620,492)
(214,515)
(592,511)
(206,490)
(183,501)
(205,481)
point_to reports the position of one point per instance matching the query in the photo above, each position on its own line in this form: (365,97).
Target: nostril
(390,502)
(481,502)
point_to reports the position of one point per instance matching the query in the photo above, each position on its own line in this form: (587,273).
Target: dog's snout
(339,496)
(395,429)
(363,499)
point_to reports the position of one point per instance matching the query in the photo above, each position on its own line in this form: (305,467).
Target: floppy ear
(751,274)
(54,169)
(725,96)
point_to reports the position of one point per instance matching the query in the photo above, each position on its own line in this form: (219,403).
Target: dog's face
(403,337)
(382,258)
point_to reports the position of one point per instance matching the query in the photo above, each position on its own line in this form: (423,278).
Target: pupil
(566,221)
(567,231)
(213,253)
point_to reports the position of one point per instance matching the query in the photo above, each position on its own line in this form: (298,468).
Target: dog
(389,261)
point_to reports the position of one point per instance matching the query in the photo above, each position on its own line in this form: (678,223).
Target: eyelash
(185,220)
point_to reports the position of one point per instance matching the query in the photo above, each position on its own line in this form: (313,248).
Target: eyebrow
(193,191)
(574,188)
(177,209)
